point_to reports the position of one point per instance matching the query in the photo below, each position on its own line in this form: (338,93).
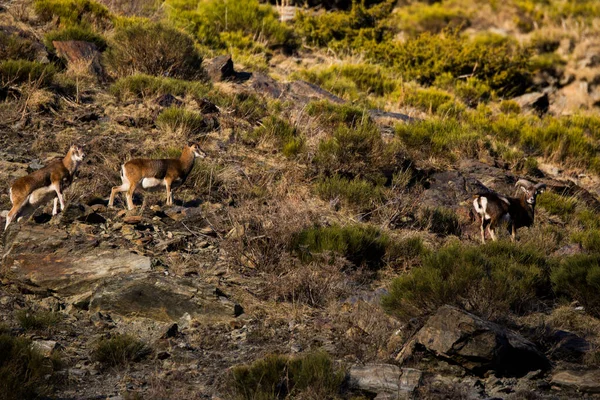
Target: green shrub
(181,121)
(350,81)
(410,249)
(445,138)
(120,350)
(472,91)
(143,86)
(489,280)
(422,17)
(39,320)
(244,105)
(23,371)
(589,239)
(153,48)
(361,245)
(334,114)
(352,152)
(285,135)
(73,12)
(16,47)
(499,62)
(276,376)
(556,204)
(441,221)
(578,277)
(510,107)
(345,30)
(357,192)
(211,21)
(430,99)
(74,33)
(22,71)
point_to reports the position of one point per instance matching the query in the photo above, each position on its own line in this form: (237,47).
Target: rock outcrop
(475,344)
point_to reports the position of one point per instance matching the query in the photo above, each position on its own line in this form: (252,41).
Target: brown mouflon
(517,212)
(40,186)
(153,174)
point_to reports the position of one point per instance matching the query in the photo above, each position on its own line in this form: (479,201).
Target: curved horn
(540,186)
(524,183)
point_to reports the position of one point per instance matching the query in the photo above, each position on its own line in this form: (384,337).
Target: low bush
(351,152)
(212,20)
(334,114)
(74,12)
(347,31)
(361,245)
(408,250)
(422,17)
(440,220)
(578,277)
(350,81)
(144,86)
(358,193)
(120,350)
(21,71)
(489,280)
(277,376)
(499,62)
(15,47)
(286,136)
(556,204)
(429,99)
(181,121)
(153,48)
(589,239)
(244,105)
(74,33)
(23,371)
(37,320)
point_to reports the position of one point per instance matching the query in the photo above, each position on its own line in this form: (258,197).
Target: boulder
(386,380)
(587,381)
(475,344)
(162,298)
(77,52)
(44,257)
(537,102)
(220,68)
(304,92)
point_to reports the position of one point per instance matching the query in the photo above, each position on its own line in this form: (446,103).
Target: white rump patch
(37,195)
(152,183)
(481,210)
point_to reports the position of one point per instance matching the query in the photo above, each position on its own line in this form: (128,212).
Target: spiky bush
(152,48)
(489,280)
(73,12)
(120,350)
(23,71)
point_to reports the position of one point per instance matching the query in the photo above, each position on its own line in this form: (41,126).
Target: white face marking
(152,183)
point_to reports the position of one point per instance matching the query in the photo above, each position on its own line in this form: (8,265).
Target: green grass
(556,204)
(419,17)
(74,33)
(144,86)
(351,81)
(277,376)
(361,245)
(578,278)
(24,372)
(441,221)
(286,136)
(490,280)
(182,121)
(213,21)
(357,193)
(120,350)
(15,47)
(37,321)
(74,12)
(23,71)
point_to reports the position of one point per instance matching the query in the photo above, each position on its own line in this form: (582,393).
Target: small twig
(197,234)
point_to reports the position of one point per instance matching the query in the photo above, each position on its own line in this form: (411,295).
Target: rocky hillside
(326,247)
